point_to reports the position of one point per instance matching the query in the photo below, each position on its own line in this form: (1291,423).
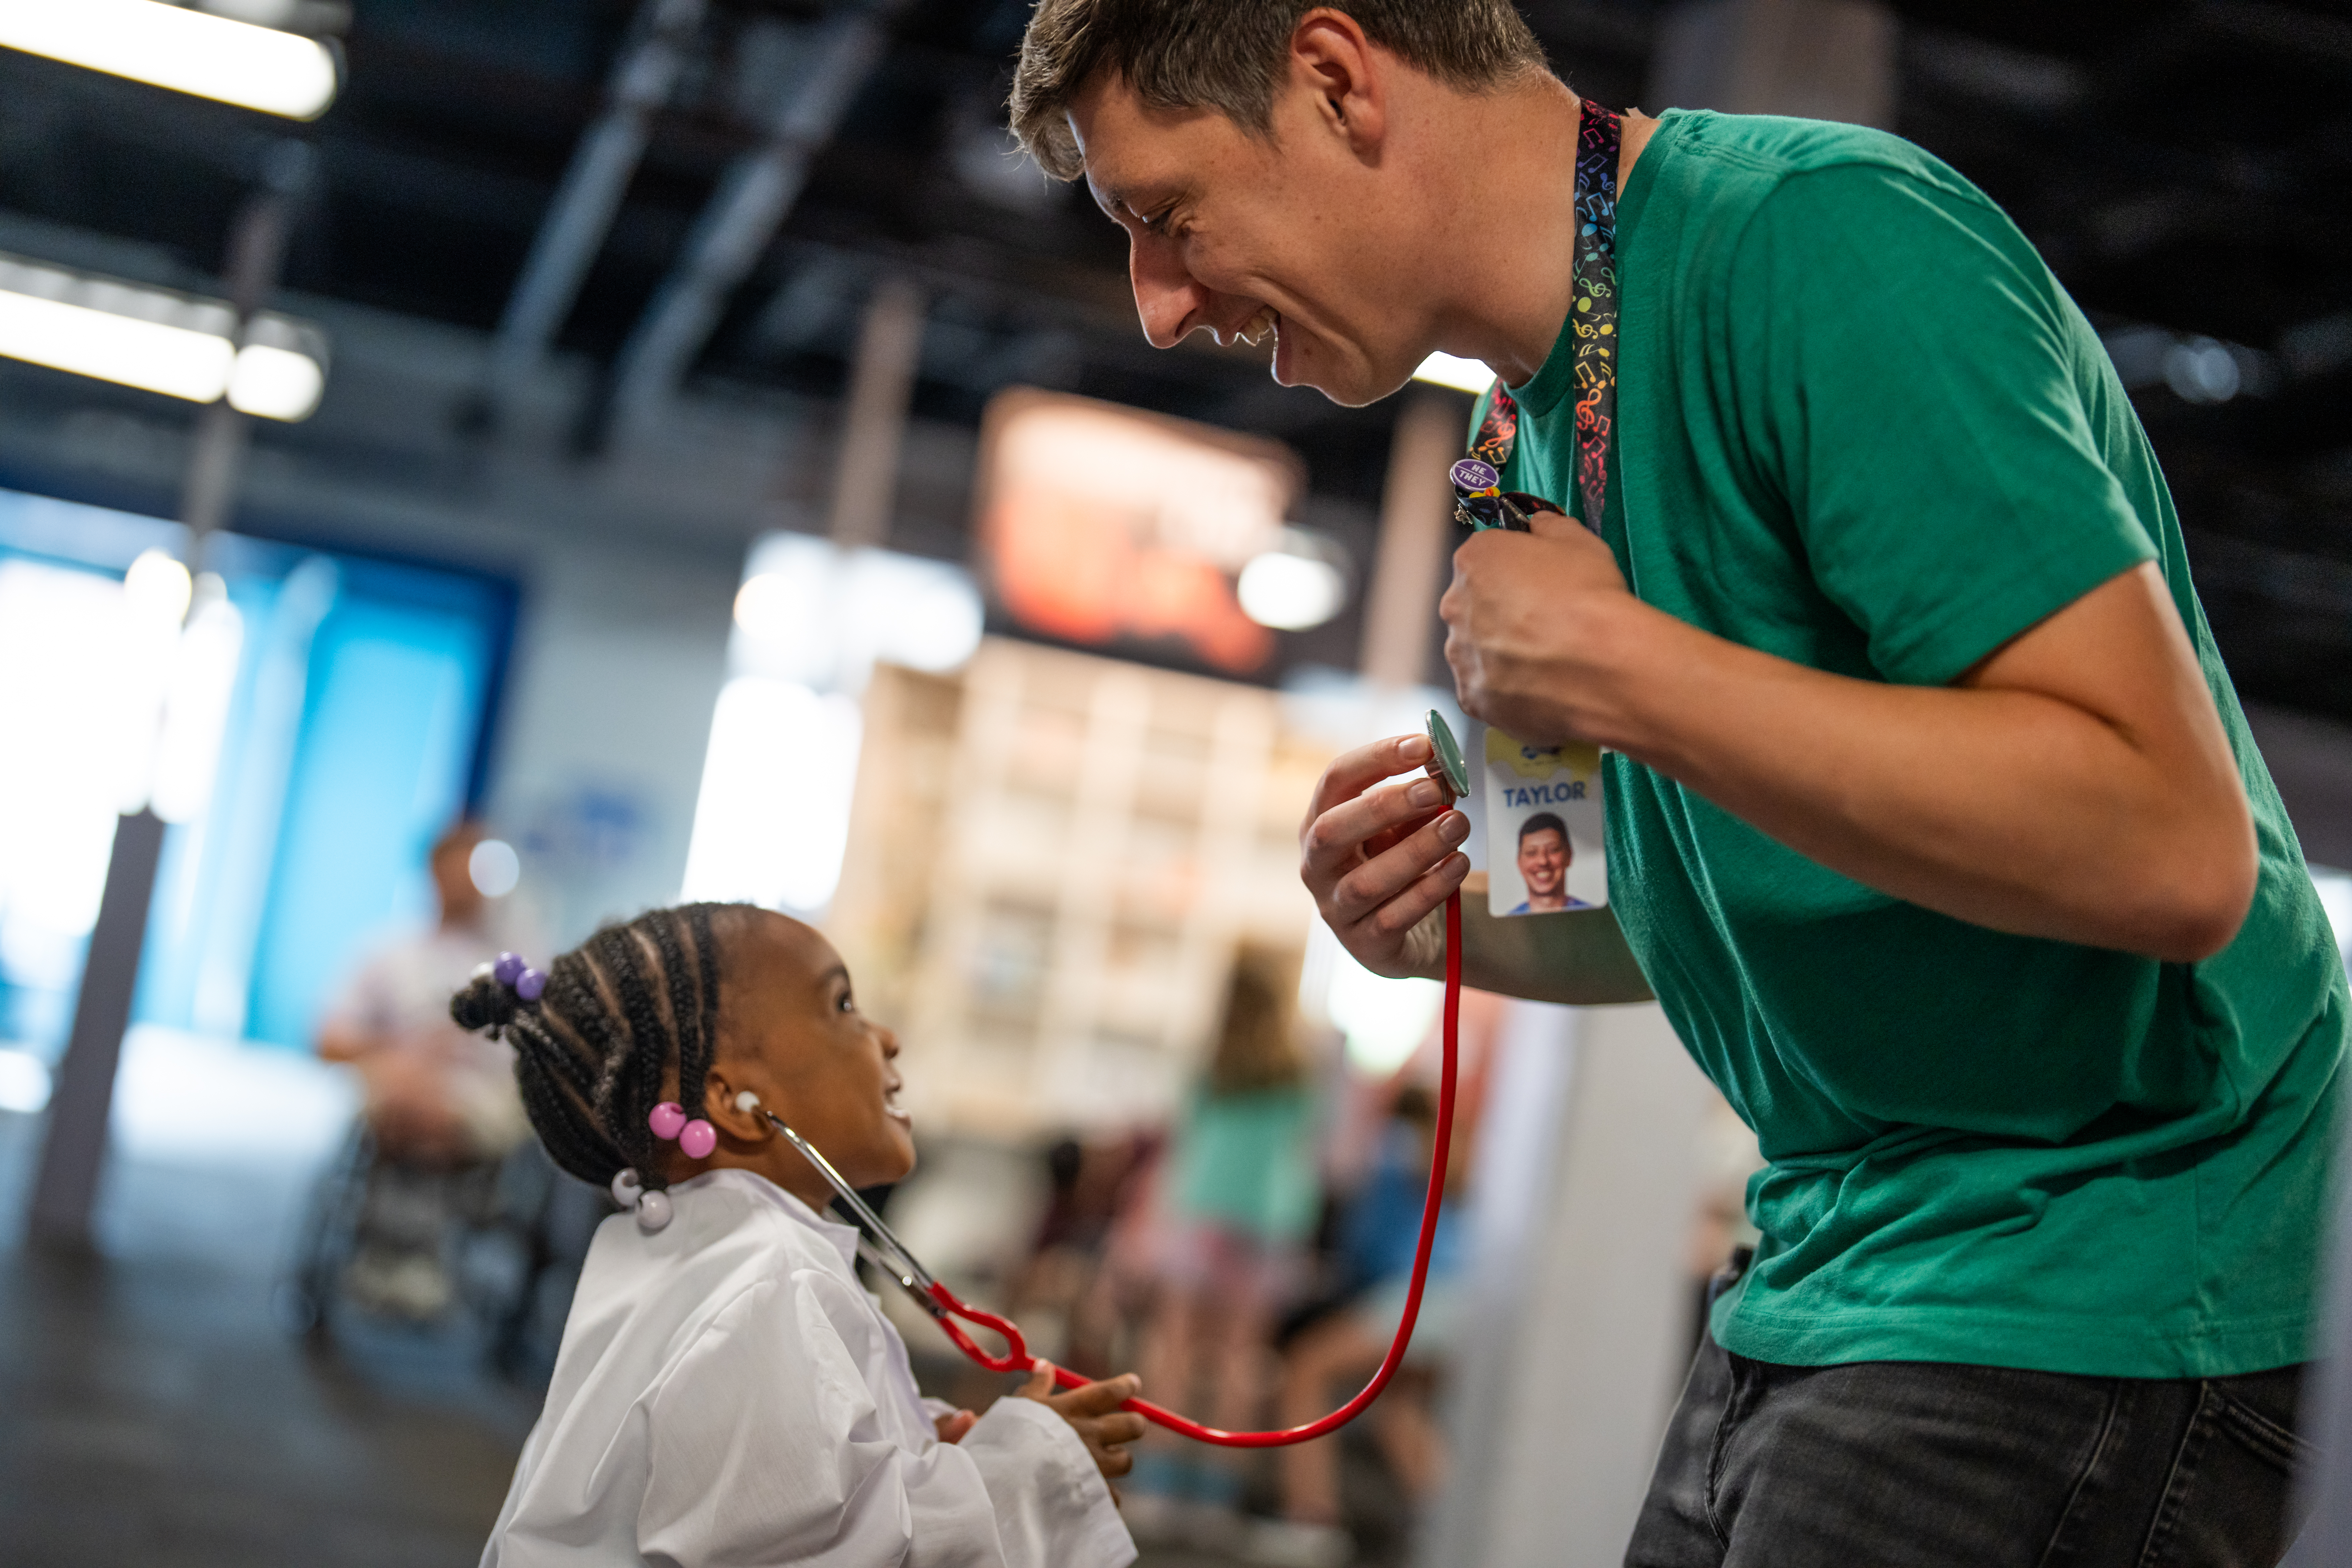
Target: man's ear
(1332,58)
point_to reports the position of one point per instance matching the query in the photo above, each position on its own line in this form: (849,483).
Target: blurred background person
(441,1110)
(1094,1183)
(1238,1205)
(1332,1355)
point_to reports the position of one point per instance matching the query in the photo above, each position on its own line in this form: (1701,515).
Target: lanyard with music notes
(1479,502)
(1547,812)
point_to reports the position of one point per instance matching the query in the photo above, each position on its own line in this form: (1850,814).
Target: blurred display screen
(1112,528)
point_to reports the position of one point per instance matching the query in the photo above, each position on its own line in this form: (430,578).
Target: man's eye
(848,1004)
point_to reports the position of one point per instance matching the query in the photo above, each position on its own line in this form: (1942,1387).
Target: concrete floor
(158,1414)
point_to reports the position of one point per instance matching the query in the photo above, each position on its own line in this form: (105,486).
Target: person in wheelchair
(441,1110)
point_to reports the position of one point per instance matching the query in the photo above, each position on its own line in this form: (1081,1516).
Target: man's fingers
(1393,920)
(1332,839)
(1352,773)
(1114,1462)
(1121,1427)
(1041,1382)
(1409,909)
(1383,876)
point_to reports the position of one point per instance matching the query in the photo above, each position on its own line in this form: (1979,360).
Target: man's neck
(1507,264)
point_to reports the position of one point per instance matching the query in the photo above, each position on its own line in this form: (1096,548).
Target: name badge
(1547,847)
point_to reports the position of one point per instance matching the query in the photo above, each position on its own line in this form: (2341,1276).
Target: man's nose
(889,1042)
(1167,299)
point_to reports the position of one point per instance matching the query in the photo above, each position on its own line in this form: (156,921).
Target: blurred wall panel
(1054,860)
(619,660)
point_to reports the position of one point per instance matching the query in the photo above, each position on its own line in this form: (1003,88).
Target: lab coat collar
(844,1237)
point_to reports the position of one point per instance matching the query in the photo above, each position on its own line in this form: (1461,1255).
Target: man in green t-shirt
(1933,820)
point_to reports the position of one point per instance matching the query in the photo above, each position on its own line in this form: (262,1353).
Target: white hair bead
(653,1212)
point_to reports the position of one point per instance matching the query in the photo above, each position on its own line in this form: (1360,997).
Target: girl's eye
(847,1003)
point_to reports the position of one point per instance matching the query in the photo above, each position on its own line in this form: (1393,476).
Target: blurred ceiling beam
(753,197)
(1822,59)
(590,196)
(881,387)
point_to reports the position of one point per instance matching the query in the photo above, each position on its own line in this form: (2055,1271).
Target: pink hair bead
(698,1138)
(667,1119)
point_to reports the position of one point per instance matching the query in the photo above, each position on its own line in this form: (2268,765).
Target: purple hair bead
(698,1138)
(666,1120)
(509,968)
(531,985)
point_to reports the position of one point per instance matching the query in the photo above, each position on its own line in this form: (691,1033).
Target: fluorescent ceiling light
(1463,375)
(159,356)
(1291,593)
(275,384)
(187,51)
(159,341)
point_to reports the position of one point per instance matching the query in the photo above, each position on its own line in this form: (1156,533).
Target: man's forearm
(2010,808)
(1577,956)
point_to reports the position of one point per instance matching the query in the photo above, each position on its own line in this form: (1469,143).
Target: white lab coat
(728,1396)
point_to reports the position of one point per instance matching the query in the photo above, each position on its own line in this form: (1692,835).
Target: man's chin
(1349,385)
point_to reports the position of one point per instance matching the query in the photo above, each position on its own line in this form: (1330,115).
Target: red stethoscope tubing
(946,1306)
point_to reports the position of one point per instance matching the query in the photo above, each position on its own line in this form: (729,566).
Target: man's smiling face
(1243,235)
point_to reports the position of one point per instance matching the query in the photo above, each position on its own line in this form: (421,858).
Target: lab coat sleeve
(1052,1504)
(764,1445)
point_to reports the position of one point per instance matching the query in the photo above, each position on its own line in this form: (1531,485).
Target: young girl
(726,1391)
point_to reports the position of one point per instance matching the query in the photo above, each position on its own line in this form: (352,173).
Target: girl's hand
(1093,1412)
(954,1425)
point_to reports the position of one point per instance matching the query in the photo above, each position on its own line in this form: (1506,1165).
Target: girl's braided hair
(591,1053)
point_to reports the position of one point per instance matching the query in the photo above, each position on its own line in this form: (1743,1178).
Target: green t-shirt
(1861,426)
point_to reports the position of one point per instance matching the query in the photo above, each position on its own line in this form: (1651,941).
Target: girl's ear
(735,1108)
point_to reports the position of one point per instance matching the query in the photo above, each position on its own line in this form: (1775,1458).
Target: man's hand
(1379,857)
(953,1426)
(1093,1414)
(2076,784)
(1528,618)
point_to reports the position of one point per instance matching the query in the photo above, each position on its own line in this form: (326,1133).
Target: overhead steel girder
(752,201)
(590,196)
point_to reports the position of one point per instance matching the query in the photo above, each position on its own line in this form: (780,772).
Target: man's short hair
(1226,54)
(1543,822)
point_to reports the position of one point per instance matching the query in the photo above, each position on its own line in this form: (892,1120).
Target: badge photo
(1545,840)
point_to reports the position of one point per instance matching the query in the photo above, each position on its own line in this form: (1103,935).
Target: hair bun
(486,1003)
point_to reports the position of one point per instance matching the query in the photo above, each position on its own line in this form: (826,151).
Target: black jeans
(1897,1464)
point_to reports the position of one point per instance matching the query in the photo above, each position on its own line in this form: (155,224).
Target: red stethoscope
(882,1249)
